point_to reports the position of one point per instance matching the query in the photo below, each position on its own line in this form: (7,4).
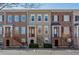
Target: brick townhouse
(20,27)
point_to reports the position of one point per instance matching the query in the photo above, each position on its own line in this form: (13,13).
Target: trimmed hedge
(33,45)
(47,45)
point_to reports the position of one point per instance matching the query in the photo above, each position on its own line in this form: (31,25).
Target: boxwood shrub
(47,45)
(33,45)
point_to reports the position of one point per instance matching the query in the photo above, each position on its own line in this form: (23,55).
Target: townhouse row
(22,27)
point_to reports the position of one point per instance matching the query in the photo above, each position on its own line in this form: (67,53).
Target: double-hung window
(17,19)
(39,17)
(23,18)
(23,30)
(46,29)
(66,17)
(32,17)
(17,30)
(56,18)
(46,17)
(10,18)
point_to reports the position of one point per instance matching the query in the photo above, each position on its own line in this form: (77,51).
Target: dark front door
(56,42)
(32,42)
(7,42)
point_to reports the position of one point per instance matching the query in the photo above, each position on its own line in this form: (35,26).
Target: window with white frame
(0,30)
(55,18)
(23,30)
(39,29)
(66,30)
(0,18)
(17,30)
(23,18)
(39,17)
(17,18)
(66,17)
(46,17)
(9,18)
(46,29)
(32,17)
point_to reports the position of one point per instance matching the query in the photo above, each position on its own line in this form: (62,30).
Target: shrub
(47,45)
(33,45)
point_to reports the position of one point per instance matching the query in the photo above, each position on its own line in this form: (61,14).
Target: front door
(7,43)
(56,43)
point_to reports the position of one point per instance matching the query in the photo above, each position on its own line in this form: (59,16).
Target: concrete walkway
(39,52)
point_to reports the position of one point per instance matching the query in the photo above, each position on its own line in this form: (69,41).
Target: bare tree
(24,5)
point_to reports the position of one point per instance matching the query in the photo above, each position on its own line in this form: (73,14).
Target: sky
(61,6)
(53,6)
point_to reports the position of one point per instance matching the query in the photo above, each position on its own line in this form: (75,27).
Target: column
(11,30)
(77,31)
(3,31)
(60,31)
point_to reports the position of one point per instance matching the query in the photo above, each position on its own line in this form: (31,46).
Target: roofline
(40,9)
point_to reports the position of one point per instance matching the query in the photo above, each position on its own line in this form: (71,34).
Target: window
(23,18)
(55,18)
(17,18)
(66,30)
(31,31)
(23,40)
(0,18)
(66,17)
(32,17)
(39,29)
(23,30)
(9,18)
(46,29)
(39,17)
(55,31)
(0,30)
(76,18)
(17,30)
(46,17)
